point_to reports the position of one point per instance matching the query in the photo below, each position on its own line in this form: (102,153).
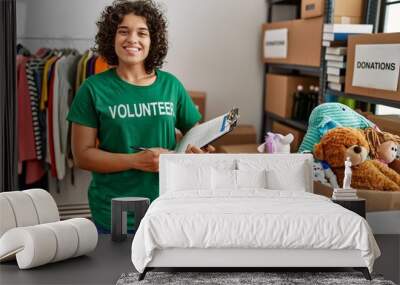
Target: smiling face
(132,40)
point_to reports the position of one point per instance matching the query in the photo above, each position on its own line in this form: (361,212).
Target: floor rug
(243,278)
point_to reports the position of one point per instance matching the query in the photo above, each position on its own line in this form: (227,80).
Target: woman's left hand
(194,149)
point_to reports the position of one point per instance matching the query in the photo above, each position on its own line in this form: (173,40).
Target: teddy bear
(341,143)
(276,143)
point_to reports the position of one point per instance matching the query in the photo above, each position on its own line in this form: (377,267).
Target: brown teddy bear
(339,143)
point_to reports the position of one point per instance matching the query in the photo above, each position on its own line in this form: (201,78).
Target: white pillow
(251,178)
(223,179)
(184,177)
(293,179)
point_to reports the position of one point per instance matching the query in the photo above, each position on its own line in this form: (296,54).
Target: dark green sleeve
(187,114)
(83,111)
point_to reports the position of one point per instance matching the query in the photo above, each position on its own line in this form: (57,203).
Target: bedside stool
(119,209)
(355,205)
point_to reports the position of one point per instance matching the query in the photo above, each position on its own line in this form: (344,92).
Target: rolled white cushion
(23,208)
(87,235)
(45,205)
(7,218)
(40,244)
(33,246)
(66,238)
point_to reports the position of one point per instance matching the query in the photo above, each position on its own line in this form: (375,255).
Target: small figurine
(347,174)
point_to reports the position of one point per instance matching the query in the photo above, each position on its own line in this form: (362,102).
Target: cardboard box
(242,134)
(384,38)
(375,200)
(280,90)
(387,123)
(284,130)
(199,99)
(239,148)
(346,8)
(312,8)
(304,41)
(349,8)
(347,20)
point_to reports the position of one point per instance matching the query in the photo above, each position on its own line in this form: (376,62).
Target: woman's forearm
(94,159)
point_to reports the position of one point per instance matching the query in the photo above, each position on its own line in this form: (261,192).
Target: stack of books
(344,194)
(336,67)
(335,40)
(336,34)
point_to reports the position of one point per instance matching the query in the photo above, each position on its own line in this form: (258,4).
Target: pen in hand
(139,148)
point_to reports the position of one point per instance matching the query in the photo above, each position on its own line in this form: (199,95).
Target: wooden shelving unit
(371,9)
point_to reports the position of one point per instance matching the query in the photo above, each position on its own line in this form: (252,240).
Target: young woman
(134,104)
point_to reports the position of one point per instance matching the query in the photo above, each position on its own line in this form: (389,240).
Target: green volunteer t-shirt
(127,115)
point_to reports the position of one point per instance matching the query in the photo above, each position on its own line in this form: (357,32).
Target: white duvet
(253,218)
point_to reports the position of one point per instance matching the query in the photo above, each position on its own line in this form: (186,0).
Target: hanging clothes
(33,67)
(100,65)
(61,97)
(47,83)
(26,137)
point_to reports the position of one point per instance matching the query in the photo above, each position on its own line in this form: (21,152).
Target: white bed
(219,210)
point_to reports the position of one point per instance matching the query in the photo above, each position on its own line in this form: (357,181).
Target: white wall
(214,44)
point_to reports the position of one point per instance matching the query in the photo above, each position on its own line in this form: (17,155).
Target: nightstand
(355,205)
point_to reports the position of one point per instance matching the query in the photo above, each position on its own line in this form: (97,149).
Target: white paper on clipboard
(207,132)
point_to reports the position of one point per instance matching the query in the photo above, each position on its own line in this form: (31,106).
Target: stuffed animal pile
(328,116)
(374,174)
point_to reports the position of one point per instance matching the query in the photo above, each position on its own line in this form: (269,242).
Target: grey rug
(270,278)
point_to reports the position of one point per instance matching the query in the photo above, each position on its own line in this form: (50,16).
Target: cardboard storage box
(280,90)
(369,39)
(239,148)
(304,41)
(347,20)
(312,8)
(387,123)
(347,8)
(199,99)
(242,134)
(375,200)
(284,130)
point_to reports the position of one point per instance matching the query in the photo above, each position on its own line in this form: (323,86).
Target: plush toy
(341,143)
(324,174)
(318,173)
(328,116)
(387,152)
(395,164)
(330,175)
(383,146)
(276,143)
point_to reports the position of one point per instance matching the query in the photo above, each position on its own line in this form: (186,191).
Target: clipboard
(207,132)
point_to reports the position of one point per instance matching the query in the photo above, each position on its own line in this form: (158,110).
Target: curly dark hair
(113,15)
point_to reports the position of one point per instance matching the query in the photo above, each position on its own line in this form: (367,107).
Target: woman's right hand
(148,160)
